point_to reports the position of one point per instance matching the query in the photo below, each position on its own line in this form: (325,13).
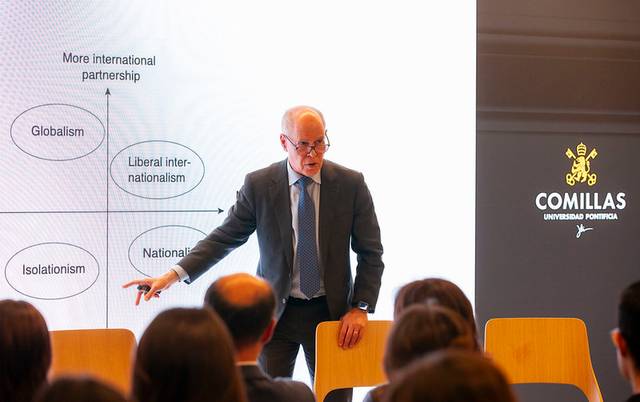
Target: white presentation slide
(126,128)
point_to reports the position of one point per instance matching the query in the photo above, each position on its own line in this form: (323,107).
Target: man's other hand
(155,285)
(352,326)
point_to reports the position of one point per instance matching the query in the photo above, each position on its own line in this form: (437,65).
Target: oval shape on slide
(157,169)
(52,271)
(57,132)
(152,252)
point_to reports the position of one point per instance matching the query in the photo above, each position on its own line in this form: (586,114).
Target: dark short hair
(25,351)
(629,320)
(79,389)
(422,329)
(246,322)
(186,354)
(436,291)
(452,376)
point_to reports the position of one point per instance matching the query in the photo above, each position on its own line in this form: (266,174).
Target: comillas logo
(581,166)
(580,206)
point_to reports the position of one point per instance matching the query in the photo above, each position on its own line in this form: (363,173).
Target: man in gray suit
(246,304)
(307,213)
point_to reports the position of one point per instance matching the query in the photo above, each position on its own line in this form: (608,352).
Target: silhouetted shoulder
(262,388)
(299,390)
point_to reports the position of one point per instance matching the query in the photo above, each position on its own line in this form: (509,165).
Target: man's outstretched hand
(352,327)
(155,285)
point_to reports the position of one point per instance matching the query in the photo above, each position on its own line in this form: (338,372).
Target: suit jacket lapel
(280,201)
(329,190)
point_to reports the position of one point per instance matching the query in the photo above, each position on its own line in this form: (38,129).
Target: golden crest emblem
(581,167)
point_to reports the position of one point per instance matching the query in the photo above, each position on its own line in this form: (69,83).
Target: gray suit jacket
(347,219)
(262,388)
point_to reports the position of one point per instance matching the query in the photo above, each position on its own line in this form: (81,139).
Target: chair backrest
(106,354)
(360,366)
(543,350)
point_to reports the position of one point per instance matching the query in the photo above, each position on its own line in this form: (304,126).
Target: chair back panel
(360,366)
(543,350)
(106,354)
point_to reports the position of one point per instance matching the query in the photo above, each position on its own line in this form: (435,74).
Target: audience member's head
(627,336)
(25,351)
(451,376)
(79,390)
(246,304)
(422,329)
(436,291)
(186,355)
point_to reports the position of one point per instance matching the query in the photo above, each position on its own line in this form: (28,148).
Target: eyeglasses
(305,148)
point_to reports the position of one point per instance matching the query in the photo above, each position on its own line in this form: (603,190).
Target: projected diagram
(65,151)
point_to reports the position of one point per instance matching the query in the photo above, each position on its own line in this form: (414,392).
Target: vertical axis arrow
(107,94)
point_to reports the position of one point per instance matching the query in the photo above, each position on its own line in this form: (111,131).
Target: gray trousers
(297,327)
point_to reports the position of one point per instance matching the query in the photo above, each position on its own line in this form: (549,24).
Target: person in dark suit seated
(79,389)
(186,355)
(247,305)
(420,330)
(626,338)
(25,351)
(452,376)
(440,292)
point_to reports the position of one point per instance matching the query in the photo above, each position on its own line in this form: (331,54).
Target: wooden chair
(360,366)
(543,350)
(102,353)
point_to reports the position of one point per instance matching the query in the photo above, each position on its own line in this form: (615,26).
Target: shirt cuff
(182,274)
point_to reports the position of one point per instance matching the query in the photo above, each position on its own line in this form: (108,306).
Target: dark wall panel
(551,76)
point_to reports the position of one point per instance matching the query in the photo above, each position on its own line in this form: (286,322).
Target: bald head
(245,303)
(301,115)
(243,290)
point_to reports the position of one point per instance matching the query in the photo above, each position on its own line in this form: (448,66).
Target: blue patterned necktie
(306,252)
